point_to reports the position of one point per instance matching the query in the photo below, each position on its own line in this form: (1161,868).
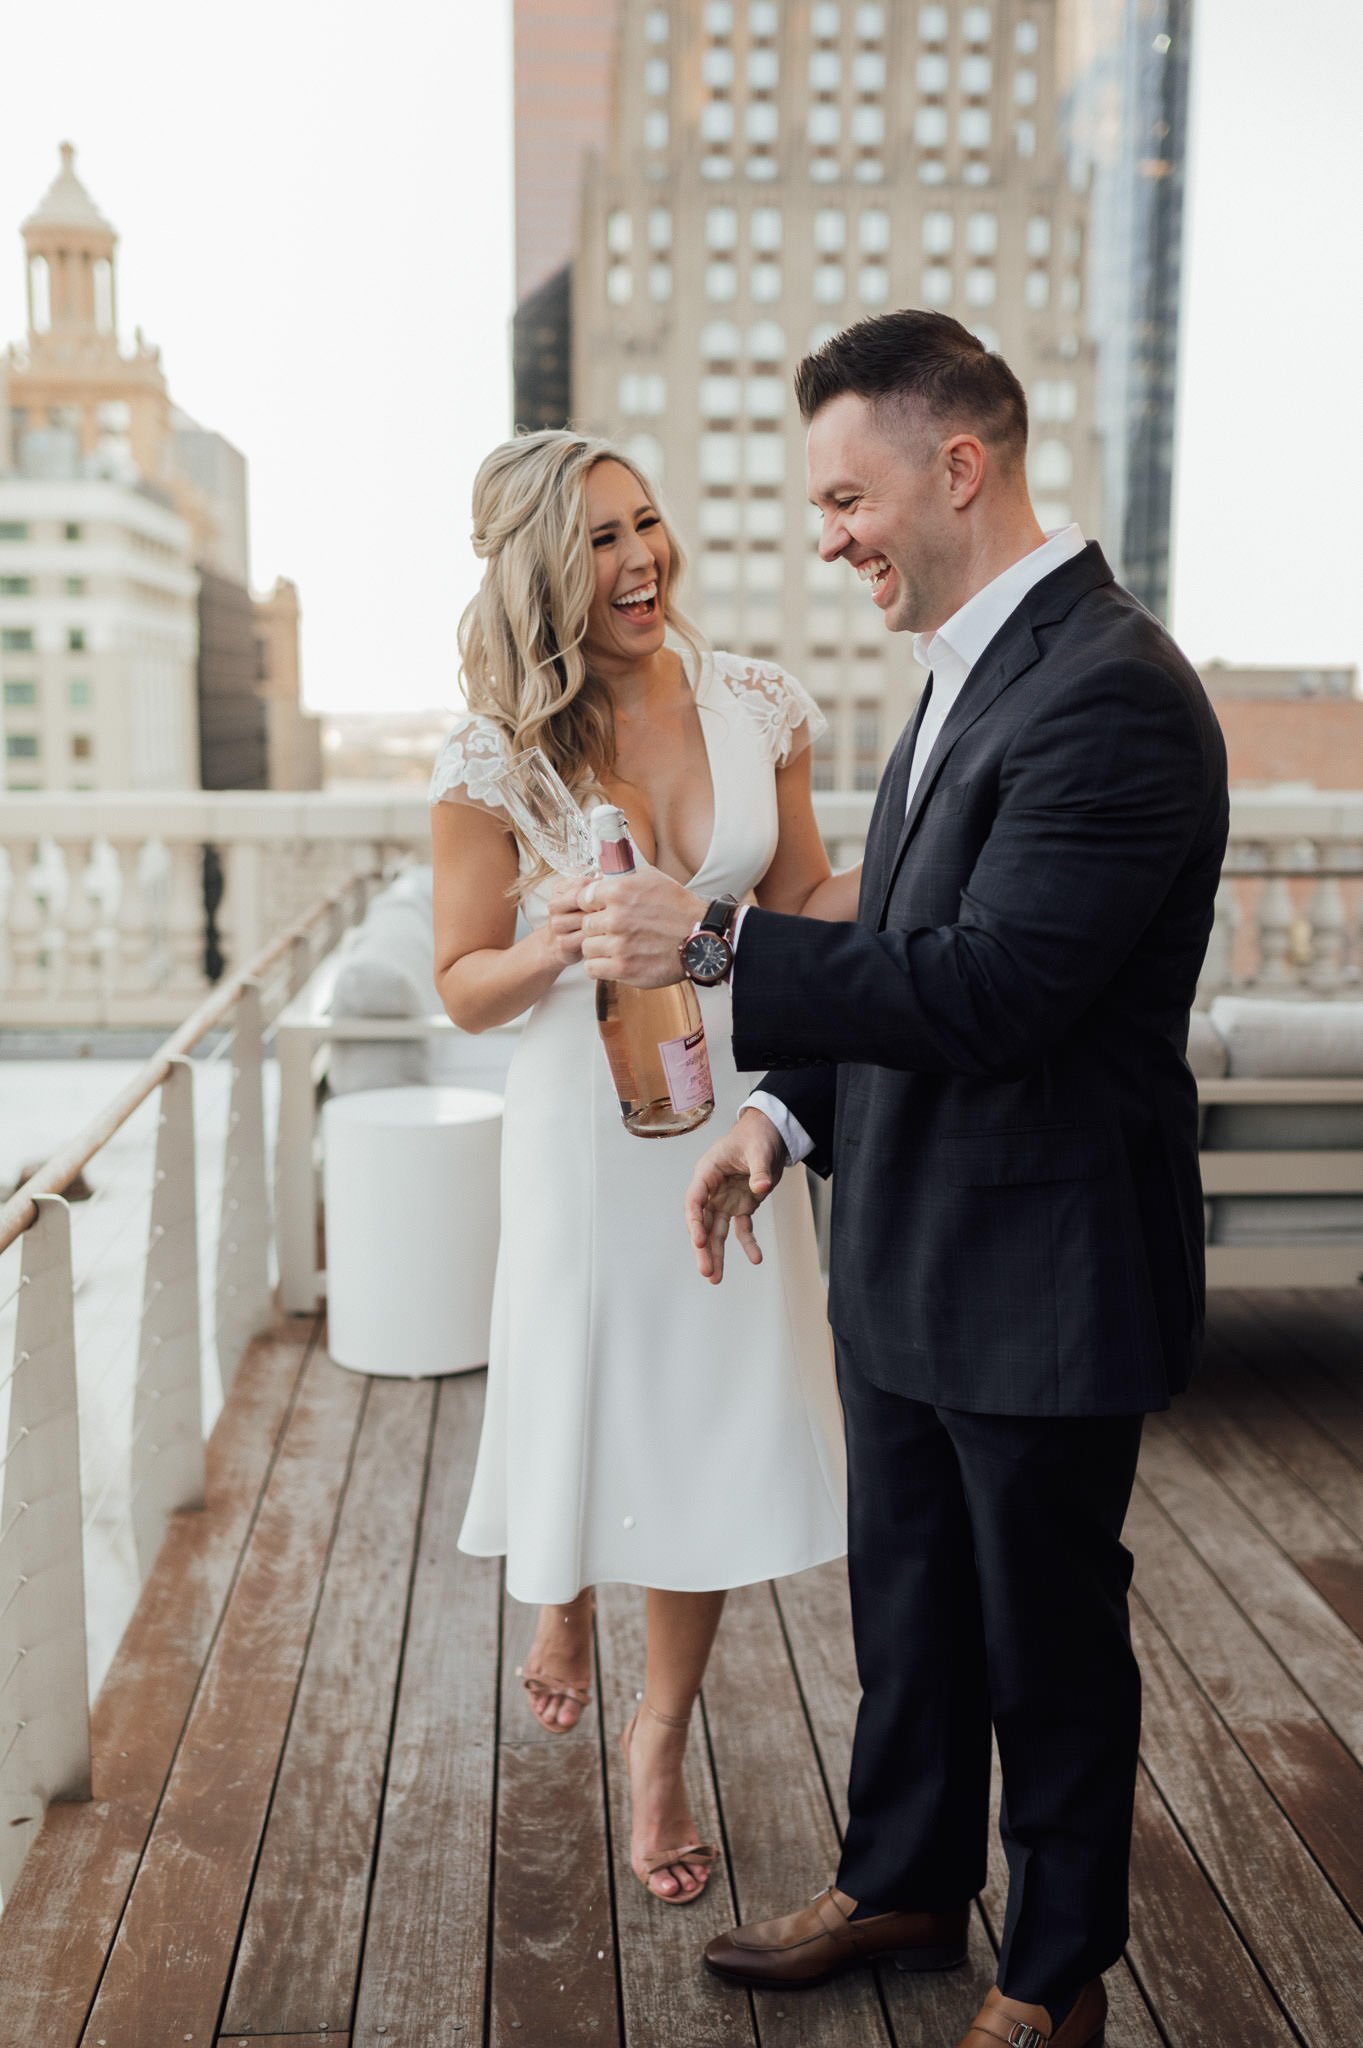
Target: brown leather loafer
(822,1940)
(1016,2025)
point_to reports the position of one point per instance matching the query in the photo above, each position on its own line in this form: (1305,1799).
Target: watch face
(706,957)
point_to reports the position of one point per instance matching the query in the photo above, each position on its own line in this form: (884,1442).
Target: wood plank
(1186,1953)
(424,1970)
(1306,1767)
(782,1842)
(1281,1336)
(1321,1652)
(817,1621)
(300,1951)
(168,1969)
(327,2040)
(1311,1954)
(62,1915)
(666,1995)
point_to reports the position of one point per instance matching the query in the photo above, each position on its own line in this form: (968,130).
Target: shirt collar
(951,652)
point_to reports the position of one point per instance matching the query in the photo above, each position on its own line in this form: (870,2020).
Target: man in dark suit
(990,1063)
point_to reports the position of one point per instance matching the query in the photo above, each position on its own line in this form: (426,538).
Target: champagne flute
(546,814)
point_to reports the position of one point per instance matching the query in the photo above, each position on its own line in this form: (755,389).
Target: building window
(869,170)
(82,746)
(657,76)
(619,233)
(15,586)
(1052,466)
(765,227)
(764,17)
(1026,38)
(766,283)
(932,24)
(717,69)
(719,17)
(930,126)
(16,639)
(1024,138)
(619,284)
(761,167)
(75,586)
(647,451)
(1024,88)
(825,124)
(823,169)
(75,639)
(934,73)
(868,125)
(21,693)
(655,25)
(981,286)
(977,74)
(655,129)
(830,230)
(764,459)
(764,519)
(719,169)
(13,529)
(1037,290)
(932,171)
(1039,235)
(764,573)
(982,234)
(719,458)
(73,530)
(825,71)
(871,21)
(873,284)
(767,342)
(974,127)
(721,228)
(719,518)
(766,398)
(937,285)
(868,71)
(78,694)
(762,122)
(938,231)
(721,281)
(976,24)
(1055,398)
(830,284)
(764,70)
(643,391)
(1052,514)
(660,282)
(719,571)
(717,121)
(826,19)
(874,231)
(721,342)
(21,746)
(660,228)
(823,750)
(721,398)
(1072,294)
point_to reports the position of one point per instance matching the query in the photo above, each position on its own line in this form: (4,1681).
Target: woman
(639,1426)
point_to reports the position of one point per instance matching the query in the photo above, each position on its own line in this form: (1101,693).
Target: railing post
(243,1305)
(295,1174)
(1329,936)
(1275,920)
(44,1686)
(167,1452)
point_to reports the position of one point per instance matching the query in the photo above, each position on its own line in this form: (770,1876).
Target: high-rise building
(775,170)
(129,645)
(564,64)
(1124,108)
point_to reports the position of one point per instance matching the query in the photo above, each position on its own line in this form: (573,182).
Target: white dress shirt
(948,655)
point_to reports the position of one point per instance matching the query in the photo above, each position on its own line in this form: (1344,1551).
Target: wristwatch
(708,954)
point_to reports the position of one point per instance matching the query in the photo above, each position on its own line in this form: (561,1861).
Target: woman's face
(629,547)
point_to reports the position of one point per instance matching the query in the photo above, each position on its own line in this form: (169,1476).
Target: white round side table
(411,1185)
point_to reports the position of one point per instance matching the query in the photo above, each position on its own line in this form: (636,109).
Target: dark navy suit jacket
(991,1060)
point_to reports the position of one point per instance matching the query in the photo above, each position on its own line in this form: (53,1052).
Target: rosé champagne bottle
(654,1037)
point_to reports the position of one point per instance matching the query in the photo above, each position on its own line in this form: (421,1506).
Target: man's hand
(731,1182)
(635,925)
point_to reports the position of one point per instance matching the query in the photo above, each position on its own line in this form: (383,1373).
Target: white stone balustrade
(102,918)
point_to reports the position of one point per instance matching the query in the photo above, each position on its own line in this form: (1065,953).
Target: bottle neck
(616,857)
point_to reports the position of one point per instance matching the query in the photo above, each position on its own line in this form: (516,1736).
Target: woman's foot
(558,1672)
(664,1853)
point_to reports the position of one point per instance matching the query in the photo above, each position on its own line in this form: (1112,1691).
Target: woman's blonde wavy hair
(521,640)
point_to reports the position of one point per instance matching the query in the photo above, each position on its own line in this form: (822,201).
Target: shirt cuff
(793,1134)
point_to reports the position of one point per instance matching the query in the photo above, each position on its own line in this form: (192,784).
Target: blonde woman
(640,1427)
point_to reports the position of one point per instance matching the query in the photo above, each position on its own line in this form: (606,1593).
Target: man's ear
(966,459)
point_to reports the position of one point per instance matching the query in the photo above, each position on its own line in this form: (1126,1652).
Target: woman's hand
(563,933)
(728,1186)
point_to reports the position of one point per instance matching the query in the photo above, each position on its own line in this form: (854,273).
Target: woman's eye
(603,540)
(644,523)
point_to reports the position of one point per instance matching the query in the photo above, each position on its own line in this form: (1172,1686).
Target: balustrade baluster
(81,920)
(132,922)
(1329,936)
(185,918)
(1275,918)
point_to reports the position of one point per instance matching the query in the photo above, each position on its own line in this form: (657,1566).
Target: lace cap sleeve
(786,715)
(467,764)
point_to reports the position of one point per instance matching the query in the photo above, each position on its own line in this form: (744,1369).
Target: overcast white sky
(314,199)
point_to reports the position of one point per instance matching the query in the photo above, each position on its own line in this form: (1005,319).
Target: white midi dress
(642,1426)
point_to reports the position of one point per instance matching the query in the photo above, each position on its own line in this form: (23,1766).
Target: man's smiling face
(879,480)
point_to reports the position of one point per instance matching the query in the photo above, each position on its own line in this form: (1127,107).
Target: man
(991,1064)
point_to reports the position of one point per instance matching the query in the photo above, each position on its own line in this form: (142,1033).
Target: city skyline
(342,313)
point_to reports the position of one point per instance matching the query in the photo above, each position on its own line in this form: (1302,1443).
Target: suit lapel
(1011,652)
(888,814)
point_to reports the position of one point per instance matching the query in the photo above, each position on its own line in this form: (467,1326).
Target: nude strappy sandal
(704,1853)
(542,1685)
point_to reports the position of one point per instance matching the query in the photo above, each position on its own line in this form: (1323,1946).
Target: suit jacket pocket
(1005,1159)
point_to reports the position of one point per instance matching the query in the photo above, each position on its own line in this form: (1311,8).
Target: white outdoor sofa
(1280,1084)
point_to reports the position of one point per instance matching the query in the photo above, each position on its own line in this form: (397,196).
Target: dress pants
(989,1583)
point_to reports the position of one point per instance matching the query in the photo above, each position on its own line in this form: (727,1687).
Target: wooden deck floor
(323,1814)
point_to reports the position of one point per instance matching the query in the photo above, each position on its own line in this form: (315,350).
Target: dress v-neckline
(702,677)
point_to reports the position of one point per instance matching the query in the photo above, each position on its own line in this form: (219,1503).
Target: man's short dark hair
(921,360)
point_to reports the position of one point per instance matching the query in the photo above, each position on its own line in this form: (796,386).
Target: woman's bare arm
(483,973)
(799,880)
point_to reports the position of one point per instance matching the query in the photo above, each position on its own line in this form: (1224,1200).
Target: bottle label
(687,1067)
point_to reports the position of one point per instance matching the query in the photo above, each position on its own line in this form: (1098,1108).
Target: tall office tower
(564,64)
(1124,105)
(776,170)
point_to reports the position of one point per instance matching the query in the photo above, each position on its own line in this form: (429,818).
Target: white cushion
(1291,1041)
(1207,1055)
(1287,1219)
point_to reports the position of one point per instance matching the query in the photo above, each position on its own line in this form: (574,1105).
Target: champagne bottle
(654,1037)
